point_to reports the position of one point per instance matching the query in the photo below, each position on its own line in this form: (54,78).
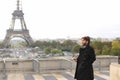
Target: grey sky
(65,18)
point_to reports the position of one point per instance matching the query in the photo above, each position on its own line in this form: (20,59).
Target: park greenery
(72,46)
(101,48)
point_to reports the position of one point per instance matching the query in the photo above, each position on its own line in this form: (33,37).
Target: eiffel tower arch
(12,32)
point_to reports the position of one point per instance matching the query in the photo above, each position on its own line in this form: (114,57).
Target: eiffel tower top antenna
(18,4)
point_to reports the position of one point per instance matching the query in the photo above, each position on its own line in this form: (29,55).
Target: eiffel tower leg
(6,41)
(21,24)
(28,38)
(24,23)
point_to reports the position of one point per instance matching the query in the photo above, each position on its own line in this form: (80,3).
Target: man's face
(84,42)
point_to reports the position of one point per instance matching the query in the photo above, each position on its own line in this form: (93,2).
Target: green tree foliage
(106,50)
(56,51)
(44,44)
(19,44)
(101,48)
(67,45)
(98,46)
(115,51)
(47,50)
(116,44)
(76,48)
(115,47)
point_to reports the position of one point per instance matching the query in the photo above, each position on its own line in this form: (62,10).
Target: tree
(47,50)
(98,46)
(19,44)
(67,45)
(56,51)
(106,50)
(115,47)
(116,44)
(115,52)
(76,48)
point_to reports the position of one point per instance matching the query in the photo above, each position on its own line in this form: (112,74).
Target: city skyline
(52,19)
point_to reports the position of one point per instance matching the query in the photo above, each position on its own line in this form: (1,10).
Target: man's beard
(85,44)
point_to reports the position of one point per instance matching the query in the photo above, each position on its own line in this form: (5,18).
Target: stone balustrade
(52,64)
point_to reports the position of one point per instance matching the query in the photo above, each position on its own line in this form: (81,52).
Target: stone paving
(53,76)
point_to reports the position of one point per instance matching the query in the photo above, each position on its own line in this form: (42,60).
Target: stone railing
(52,64)
(12,65)
(103,62)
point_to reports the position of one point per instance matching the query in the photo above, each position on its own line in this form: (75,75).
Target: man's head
(85,40)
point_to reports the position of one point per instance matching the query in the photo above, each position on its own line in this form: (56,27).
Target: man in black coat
(84,68)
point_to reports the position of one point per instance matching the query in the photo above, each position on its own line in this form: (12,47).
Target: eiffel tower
(22,33)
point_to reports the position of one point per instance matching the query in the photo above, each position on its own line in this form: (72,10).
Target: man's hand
(75,59)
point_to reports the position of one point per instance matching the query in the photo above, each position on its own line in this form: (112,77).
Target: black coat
(84,68)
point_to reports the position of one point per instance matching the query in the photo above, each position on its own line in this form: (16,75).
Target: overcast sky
(65,18)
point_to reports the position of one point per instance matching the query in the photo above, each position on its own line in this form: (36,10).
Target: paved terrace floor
(53,76)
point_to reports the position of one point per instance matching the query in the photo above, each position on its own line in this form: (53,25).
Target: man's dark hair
(87,38)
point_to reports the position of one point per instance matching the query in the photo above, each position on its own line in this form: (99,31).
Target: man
(84,68)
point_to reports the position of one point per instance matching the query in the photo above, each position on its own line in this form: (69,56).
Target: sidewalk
(103,75)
